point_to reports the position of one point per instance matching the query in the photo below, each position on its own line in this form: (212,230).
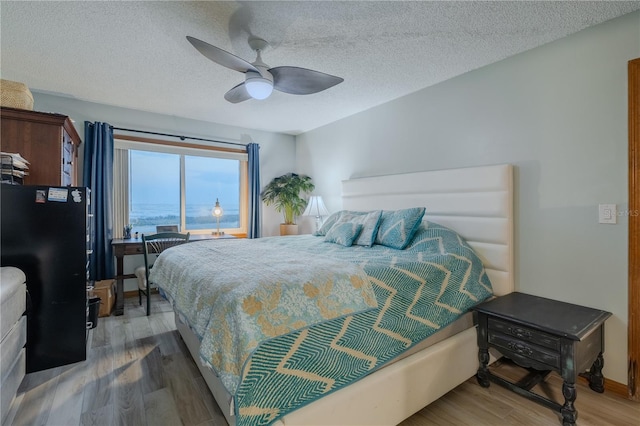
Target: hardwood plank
(99,335)
(191,407)
(141,327)
(438,413)
(481,399)
(215,411)
(98,391)
(129,403)
(151,364)
(163,322)
(66,408)
(481,413)
(102,416)
(39,390)
(13,409)
(190,362)
(167,342)
(160,408)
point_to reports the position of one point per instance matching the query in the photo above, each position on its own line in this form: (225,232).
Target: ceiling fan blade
(237,94)
(302,81)
(221,57)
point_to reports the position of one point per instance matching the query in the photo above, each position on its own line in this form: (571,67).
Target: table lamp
(316,207)
(217,213)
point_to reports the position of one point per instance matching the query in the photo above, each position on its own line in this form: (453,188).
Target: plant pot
(288,229)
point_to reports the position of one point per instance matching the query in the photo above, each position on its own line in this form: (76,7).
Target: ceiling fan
(260,80)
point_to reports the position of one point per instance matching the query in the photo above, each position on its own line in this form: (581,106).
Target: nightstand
(543,335)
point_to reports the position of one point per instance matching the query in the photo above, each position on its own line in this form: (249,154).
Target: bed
(350,385)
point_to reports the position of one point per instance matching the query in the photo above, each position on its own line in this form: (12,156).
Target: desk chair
(154,244)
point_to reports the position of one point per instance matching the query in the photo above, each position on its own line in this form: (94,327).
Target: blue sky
(155,179)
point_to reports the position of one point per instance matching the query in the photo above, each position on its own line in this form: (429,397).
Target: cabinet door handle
(70,163)
(519,332)
(519,348)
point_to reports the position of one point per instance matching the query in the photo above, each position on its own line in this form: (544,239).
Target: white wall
(559,114)
(277,151)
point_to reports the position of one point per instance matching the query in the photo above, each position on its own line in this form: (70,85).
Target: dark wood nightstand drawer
(525,334)
(532,352)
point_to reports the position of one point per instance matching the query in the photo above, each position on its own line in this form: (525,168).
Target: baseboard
(134,293)
(610,385)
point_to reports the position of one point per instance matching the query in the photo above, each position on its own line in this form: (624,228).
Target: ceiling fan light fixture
(259,87)
(260,79)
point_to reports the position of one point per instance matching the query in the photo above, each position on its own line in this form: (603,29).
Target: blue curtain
(255,222)
(98,175)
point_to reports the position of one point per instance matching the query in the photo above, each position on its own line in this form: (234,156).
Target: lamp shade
(316,207)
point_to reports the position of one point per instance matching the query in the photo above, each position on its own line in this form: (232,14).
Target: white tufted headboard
(477,202)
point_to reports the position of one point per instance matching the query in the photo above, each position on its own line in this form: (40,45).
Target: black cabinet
(44,233)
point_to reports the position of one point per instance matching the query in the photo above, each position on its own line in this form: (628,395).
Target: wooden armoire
(48,141)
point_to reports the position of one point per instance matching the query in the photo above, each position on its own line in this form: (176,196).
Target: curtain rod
(182,138)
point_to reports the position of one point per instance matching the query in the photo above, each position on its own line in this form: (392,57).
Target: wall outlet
(608,213)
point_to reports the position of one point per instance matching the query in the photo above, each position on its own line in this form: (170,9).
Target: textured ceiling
(135,54)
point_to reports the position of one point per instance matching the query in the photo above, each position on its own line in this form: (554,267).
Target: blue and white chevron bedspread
(418,290)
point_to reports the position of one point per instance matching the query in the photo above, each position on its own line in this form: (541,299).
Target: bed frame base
(396,392)
(385,397)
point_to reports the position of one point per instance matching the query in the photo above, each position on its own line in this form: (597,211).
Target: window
(162,184)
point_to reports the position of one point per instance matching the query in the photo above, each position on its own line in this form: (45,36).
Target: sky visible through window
(155,191)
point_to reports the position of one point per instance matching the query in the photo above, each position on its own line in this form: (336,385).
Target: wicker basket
(15,95)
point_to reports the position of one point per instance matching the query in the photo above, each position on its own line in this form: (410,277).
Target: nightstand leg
(483,371)
(596,379)
(568,411)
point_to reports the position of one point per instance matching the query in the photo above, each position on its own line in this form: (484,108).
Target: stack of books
(14,168)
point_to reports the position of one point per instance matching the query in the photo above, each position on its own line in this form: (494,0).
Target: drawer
(12,344)
(12,307)
(525,334)
(134,249)
(11,382)
(510,345)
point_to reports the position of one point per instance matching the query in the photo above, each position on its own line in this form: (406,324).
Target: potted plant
(284,192)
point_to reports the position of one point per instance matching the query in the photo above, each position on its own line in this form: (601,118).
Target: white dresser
(13,330)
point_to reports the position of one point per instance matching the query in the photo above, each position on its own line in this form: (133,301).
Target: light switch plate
(608,213)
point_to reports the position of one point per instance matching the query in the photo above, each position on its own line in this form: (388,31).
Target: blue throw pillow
(397,227)
(328,223)
(343,233)
(369,222)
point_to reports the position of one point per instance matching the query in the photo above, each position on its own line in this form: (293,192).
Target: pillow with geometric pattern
(397,227)
(343,233)
(369,221)
(328,223)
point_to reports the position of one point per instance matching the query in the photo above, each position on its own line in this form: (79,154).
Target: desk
(130,246)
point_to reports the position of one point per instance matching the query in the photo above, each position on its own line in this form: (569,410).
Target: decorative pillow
(397,227)
(343,233)
(369,222)
(328,223)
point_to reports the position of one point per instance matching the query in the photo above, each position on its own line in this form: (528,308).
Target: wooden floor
(139,372)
